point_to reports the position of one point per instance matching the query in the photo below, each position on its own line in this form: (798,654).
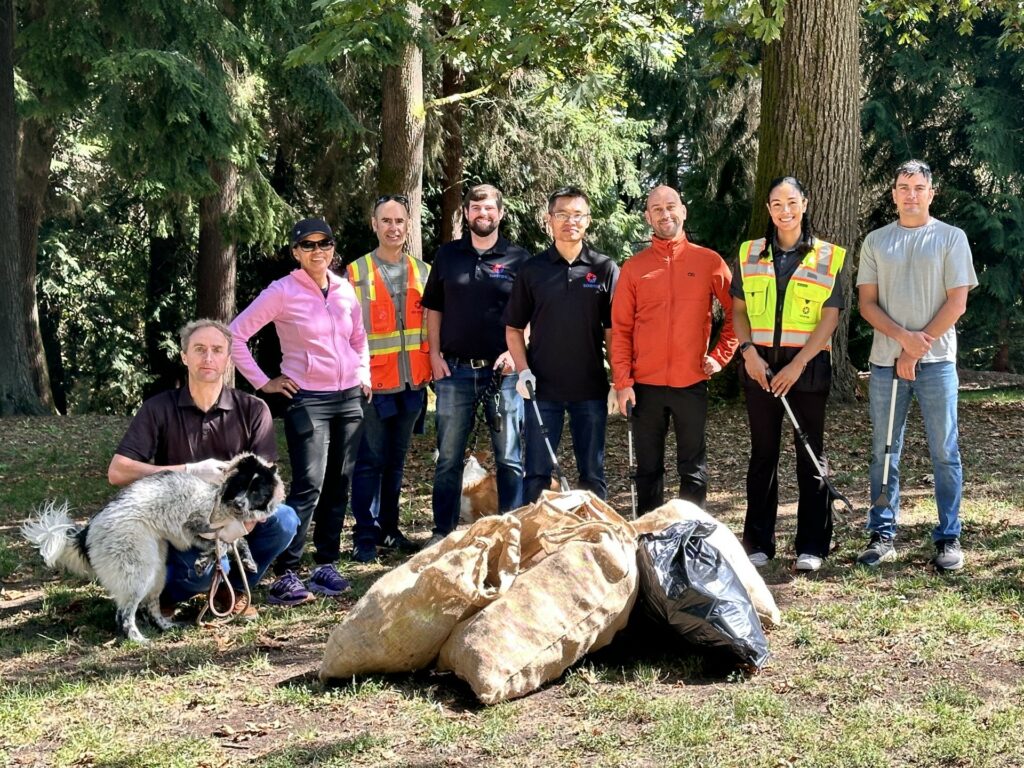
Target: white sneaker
(758,559)
(808,563)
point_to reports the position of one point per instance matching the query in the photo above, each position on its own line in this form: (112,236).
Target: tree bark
(216,267)
(810,128)
(402,123)
(18,392)
(452,82)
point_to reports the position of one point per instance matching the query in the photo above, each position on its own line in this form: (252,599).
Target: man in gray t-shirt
(914,277)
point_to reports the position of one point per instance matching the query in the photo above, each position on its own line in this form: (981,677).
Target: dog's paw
(202,564)
(250,565)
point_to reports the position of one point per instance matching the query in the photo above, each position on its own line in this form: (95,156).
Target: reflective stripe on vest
(364,275)
(810,286)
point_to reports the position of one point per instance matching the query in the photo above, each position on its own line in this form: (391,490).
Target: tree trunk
(1001,359)
(215,269)
(452,81)
(38,139)
(402,121)
(810,128)
(19,393)
(164,253)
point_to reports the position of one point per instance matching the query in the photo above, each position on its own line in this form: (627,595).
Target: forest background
(153,154)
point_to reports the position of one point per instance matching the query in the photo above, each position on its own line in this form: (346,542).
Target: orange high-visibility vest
(808,290)
(387,335)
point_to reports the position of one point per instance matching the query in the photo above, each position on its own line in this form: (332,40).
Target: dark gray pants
(323,438)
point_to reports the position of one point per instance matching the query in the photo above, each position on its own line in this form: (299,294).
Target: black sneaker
(397,540)
(948,555)
(364,552)
(881,549)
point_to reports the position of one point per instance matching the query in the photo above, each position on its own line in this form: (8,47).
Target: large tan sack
(570,603)
(554,511)
(725,541)
(402,620)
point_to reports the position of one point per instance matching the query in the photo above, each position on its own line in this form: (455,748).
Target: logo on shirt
(590,281)
(498,272)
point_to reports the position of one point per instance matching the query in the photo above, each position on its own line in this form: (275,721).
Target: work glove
(526,376)
(613,402)
(210,470)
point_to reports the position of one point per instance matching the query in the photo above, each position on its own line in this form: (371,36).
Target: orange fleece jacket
(661,315)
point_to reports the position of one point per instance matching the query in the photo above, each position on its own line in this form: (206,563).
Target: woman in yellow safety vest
(786,299)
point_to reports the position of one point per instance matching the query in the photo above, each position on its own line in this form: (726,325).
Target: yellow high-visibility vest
(808,290)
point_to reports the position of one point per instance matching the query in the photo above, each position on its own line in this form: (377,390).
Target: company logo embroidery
(498,272)
(691,274)
(590,281)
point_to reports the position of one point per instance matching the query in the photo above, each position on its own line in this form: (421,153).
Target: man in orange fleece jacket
(661,327)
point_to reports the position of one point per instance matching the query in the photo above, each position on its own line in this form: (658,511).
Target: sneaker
(808,562)
(881,549)
(758,559)
(397,540)
(948,555)
(364,552)
(289,590)
(327,581)
(241,610)
(437,538)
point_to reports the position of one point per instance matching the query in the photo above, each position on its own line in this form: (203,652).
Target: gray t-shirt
(913,269)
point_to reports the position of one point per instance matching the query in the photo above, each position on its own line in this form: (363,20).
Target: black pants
(688,407)
(323,439)
(813,518)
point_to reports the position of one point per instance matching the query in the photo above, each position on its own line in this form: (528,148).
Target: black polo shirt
(170,429)
(568,307)
(471,290)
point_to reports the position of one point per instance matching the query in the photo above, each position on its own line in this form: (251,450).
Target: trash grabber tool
(563,484)
(838,503)
(632,463)
(883,495)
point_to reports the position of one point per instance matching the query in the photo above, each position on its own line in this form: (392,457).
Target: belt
(470,362)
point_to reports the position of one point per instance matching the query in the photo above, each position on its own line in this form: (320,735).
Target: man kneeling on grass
(196,429)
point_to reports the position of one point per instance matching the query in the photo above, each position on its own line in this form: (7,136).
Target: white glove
(210,470)
(526,377)
(613,402)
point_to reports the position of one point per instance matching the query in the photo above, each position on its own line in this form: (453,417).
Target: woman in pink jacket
(325,372)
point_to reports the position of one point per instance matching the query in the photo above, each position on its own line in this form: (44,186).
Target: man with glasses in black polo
(469,284)
(565,296)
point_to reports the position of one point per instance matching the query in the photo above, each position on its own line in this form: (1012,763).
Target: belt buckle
(478,363)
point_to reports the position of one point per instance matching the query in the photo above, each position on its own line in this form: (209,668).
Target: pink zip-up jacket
(323,343)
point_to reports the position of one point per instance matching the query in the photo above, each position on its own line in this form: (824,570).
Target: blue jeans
(323,438)
(936,390)
(377,479)
(267,540)
(587,422)
(456,395)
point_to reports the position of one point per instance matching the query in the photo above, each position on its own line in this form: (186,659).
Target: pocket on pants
(297,420)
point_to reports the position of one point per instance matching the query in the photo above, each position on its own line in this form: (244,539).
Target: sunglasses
(400,199)
(308,246)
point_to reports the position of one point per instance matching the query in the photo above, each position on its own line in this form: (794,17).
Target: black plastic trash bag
(687,584)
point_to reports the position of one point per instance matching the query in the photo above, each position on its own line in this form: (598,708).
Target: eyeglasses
(576,218)
(400,199)
(308,246)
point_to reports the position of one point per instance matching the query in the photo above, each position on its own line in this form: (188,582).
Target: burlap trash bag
(570,603)
(725,541)
(401,622)
(554,510)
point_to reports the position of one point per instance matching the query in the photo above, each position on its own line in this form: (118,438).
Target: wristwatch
(745,346)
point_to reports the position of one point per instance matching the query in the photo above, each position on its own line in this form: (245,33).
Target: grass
(898,667)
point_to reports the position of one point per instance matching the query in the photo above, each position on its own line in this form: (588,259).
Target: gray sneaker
(948,555)
(881,549)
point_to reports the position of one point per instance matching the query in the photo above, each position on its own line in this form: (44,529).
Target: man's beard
(483,227)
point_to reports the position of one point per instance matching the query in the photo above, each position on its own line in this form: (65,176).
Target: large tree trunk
(402,121)
(38,139)
(215,270)
(810,128)
(18,391)
(452,82)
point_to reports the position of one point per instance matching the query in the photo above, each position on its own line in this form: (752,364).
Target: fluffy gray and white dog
(124,546)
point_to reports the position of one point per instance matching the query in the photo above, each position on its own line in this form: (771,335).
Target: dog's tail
(58,539)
